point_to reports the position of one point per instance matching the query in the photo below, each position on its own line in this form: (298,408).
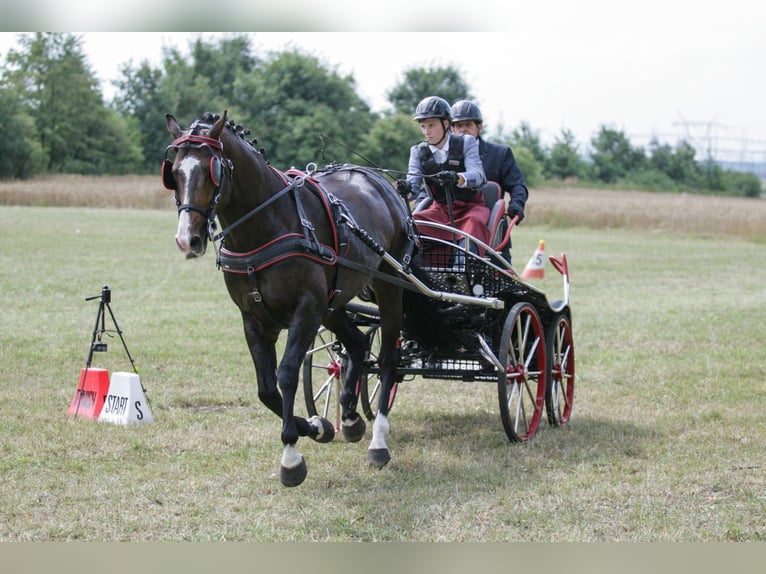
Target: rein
(297,182)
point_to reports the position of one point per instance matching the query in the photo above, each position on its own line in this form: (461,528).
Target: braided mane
(209,118)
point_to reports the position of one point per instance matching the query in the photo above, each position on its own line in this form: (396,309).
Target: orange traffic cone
(535,269)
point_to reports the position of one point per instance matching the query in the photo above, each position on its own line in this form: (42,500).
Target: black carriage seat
(497,222)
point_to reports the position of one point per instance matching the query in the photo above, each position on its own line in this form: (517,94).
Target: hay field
(561,207)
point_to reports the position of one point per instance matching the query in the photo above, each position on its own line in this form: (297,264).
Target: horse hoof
(354,432)
(378,457)
(293,476)
(326,429)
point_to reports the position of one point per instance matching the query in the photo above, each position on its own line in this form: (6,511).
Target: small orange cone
(90,394)
(535,269)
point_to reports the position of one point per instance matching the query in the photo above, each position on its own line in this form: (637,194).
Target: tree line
(300,111)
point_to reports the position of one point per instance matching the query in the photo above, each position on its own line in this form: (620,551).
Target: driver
(453,161)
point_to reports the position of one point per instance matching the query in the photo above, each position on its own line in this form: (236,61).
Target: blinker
(169,182)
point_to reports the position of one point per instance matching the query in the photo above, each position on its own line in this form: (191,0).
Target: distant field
(567,207)
(665,442)
(133,191)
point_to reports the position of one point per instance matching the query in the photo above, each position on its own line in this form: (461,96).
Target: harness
(455,162)
(305,244)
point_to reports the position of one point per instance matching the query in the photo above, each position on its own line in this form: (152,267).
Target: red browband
(202,140)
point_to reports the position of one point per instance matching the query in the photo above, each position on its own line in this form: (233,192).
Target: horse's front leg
(262,345)
(301,334)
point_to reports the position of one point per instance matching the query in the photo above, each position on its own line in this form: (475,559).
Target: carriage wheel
(369,395)
(561,370)
(522,385)
(324,364)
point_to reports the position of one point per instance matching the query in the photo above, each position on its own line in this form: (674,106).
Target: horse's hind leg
(352,339)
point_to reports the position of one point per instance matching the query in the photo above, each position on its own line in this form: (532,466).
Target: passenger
(453,161)
(499,164)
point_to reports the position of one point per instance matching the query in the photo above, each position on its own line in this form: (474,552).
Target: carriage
(467,317)
(333,257)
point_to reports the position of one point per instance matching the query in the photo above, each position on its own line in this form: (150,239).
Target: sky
(668,69)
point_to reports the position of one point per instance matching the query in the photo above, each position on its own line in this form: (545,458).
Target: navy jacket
(500,166)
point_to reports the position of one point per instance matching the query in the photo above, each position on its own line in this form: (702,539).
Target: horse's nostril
(196,244)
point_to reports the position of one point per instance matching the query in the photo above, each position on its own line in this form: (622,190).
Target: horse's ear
(173,126)
(215,131)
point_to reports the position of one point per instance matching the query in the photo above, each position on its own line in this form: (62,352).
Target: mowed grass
(665,443)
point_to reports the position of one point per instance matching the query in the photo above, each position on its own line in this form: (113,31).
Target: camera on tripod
(99,328)
(106,298)
(106,295)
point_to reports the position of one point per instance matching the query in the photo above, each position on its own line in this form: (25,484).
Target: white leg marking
(290,456)
(379,432)
(316,422)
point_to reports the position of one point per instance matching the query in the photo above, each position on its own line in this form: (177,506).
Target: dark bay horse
(294,250)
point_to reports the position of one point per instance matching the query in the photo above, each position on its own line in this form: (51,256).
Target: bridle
(215,170)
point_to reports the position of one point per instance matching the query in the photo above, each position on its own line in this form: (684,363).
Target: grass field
(665,443)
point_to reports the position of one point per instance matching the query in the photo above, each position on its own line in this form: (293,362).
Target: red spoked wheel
(522,382)
(561,370)
(370,384)
(323,368)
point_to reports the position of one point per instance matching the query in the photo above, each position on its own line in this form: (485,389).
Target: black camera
(106,295)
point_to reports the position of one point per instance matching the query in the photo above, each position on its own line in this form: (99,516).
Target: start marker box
(91,392)
(125,403)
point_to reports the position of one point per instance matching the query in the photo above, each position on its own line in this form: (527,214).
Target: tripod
(96,345)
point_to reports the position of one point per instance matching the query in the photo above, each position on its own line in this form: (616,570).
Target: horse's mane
(207,120)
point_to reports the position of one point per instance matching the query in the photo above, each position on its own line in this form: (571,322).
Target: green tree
(21,156)
(141,100)
(564,160)
(388,142)
(529,166)
(188,94)
(524,136)
(419,83)
(61,94)
(613,155)
(299,109)
(677,163)
(743,184)
(187,86)
(712,176)
(221,63)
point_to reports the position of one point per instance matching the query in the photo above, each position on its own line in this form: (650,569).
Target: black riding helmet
(432,107)
(465,111)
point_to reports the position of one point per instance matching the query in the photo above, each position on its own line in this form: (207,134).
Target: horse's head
(195,174)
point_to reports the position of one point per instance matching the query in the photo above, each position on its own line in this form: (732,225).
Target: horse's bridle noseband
(216,171)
